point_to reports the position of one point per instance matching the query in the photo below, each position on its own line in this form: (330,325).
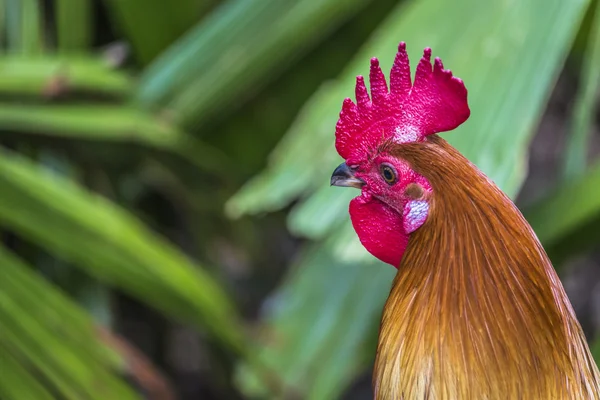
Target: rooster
(476,310)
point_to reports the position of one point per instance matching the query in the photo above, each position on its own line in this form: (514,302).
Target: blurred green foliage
(209,89)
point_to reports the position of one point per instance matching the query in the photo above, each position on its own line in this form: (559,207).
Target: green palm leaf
(44,333)
(111,245)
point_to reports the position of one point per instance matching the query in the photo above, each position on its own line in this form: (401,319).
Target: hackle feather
(476,310)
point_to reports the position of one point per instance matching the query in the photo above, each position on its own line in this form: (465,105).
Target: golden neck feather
(476,310)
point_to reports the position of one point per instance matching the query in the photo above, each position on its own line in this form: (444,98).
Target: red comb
(437,102)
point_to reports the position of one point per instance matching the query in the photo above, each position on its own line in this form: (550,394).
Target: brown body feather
(476,310)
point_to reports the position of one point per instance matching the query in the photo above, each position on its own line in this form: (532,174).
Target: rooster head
(394,199)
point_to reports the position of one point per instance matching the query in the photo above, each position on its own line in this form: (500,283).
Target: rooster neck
(476,309)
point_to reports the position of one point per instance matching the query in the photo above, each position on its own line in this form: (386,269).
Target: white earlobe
(415,214)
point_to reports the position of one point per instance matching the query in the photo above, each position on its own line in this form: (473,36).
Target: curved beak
(344,176)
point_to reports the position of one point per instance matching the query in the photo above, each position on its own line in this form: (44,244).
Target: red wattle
(380,229)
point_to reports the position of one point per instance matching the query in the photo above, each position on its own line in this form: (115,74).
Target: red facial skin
(381,214)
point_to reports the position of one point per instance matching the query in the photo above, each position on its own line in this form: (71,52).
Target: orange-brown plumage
(476,310)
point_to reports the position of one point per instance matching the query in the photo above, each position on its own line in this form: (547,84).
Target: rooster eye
(389,174)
